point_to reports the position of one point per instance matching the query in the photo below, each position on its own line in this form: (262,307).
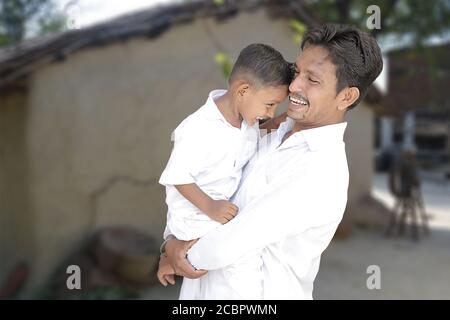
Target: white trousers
(242,280)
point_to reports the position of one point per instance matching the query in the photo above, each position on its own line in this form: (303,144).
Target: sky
(87,12)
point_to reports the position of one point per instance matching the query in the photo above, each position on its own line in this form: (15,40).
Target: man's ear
(348,97)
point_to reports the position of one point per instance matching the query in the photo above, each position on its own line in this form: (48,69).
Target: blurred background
(90,92)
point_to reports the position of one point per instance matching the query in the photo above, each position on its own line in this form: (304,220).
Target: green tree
(417,18)
(20,18)
(414,20)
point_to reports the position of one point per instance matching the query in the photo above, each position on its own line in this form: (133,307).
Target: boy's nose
(270,113)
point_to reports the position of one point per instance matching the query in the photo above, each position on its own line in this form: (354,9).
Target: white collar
(211,110)
(316,138)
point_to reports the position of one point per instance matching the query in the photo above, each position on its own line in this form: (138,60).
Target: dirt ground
(408,269)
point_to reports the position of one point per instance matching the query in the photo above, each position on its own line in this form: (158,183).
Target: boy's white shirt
(291,199)
(210,152)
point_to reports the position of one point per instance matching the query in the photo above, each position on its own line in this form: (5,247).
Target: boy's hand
(222,211)
(165,272)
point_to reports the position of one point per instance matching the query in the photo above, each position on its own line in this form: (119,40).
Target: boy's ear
(348,97)
(242,90)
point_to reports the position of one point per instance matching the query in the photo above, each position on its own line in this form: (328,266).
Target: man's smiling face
(313,99)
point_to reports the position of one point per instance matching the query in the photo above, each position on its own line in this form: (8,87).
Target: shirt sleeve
(287,209)
(184,162)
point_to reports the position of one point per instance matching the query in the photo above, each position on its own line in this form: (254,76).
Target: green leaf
(299,30)
(298,27)
(224,61)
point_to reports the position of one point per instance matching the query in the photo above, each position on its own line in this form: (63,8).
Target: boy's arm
(218,210)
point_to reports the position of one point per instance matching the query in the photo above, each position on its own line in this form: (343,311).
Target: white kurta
(210,152)
(292,198)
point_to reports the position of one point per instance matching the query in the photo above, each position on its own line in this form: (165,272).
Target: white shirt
(292,198)
(210,152)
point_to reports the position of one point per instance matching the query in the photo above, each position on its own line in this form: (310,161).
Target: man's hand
(165,272)
(176,251)
(222,211)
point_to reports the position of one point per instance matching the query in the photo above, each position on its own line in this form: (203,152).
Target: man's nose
(296,85)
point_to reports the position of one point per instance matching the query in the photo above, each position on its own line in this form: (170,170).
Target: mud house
(86,117)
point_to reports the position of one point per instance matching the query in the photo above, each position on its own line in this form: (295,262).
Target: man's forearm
(259,224)
(263,221)
(162,248)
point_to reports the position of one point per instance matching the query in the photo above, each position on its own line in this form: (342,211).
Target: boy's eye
(313,81)
(270,104)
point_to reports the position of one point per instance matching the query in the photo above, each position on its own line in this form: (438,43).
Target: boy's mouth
(261,120)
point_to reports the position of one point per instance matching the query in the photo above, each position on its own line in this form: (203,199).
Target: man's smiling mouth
(298,101)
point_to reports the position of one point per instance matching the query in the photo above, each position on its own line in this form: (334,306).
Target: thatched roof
(18,61)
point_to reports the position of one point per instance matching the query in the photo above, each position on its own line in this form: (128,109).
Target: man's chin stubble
(298,115)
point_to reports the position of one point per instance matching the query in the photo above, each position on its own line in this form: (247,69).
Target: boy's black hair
(355,54)
(263,64)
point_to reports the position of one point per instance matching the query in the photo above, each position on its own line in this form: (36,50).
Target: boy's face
(261,103)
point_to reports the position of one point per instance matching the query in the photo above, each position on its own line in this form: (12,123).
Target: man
(294,191)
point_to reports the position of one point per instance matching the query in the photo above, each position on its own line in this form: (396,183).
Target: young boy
(212,145)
